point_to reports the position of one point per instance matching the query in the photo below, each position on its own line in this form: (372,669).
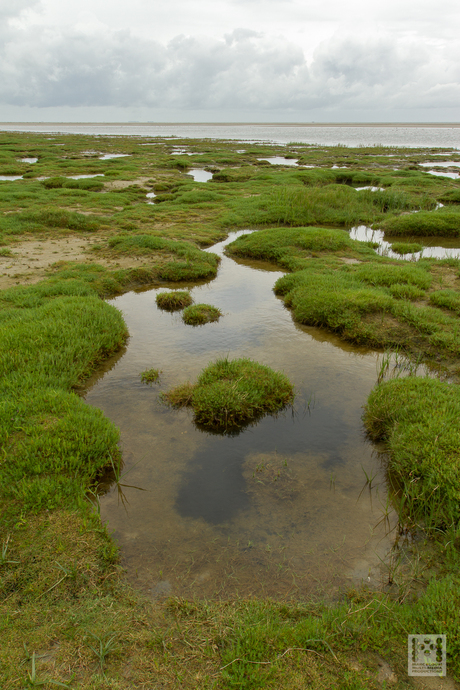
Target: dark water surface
(278,509)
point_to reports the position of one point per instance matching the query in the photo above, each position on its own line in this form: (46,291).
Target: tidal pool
(280,160)
(445,247)
(282,508)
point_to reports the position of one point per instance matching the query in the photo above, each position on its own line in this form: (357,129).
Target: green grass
(54,444)
(441,223)
(366,302)
(418,420)
(230,393)
(174,301)
(199,314)
(189,262)
(40,220)
(150,375)
(404,248)
(63,599)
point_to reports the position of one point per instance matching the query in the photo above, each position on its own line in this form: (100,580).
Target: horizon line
(134,123)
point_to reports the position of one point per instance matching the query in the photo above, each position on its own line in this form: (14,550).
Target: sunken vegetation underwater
(67,613)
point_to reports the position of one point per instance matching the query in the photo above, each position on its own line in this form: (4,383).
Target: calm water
(278,509)
(408,135)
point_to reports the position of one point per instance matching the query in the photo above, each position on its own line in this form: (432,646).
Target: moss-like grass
(54,444)
(404,248)
(174,301)
(441,223)
(418,419)
(59,581)
(150,375)
(230,393)
(369,301)
(199,314)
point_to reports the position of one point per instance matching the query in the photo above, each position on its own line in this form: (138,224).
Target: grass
(416,417)
(404,248)
(442,223)
(174,301)
(67,613)
(150,375)
(199,314)
(368,300)
(231,393)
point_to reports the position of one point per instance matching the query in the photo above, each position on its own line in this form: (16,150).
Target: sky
(230,61)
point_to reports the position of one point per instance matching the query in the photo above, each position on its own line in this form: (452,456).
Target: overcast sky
(230,60)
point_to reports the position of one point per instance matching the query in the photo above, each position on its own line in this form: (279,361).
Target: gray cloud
(45,67)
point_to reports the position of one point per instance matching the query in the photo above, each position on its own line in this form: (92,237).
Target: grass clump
(447,299)
(179,260)
(442,223)
(48,218)
(87,184)
(174,301)
(418,420)
(54,445)
(404,248)
(230,393)
(199,314)
(150,375)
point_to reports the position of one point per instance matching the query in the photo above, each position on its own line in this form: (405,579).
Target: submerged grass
(230,393)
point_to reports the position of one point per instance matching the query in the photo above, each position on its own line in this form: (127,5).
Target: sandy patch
(31,260)
(122,184)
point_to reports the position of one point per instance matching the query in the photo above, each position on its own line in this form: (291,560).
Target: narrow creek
(281,509)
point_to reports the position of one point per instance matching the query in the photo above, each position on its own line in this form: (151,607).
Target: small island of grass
(233,392)
(174,301)
(199,314)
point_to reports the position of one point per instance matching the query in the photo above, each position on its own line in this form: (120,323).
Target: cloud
(46,67)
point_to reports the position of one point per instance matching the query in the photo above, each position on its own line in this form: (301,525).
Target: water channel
(280,509)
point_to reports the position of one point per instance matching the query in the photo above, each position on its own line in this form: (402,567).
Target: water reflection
(200,175)
(279,160)
(273,511)
(449,247)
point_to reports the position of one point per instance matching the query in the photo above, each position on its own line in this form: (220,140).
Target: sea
(410,135)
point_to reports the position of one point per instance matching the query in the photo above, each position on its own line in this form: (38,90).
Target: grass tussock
(190,263)
(442,223)
(54,444)
(173,301)
(150,375)
(404,248)
(369,302)
(230,393)
(418,420)
(67,615)
(199,314)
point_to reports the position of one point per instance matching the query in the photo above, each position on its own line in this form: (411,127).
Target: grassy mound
(199,314)
(418,419)
(442,223)
(54,445)
(174,301)
(233,392)
(150,375)
(403,248)
(189,262)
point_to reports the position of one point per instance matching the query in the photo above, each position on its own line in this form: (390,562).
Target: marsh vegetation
(67,613)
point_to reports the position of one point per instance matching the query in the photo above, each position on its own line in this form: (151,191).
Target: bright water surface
(442,136)
(277,510)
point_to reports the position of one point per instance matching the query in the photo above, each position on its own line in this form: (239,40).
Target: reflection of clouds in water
(198,506)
